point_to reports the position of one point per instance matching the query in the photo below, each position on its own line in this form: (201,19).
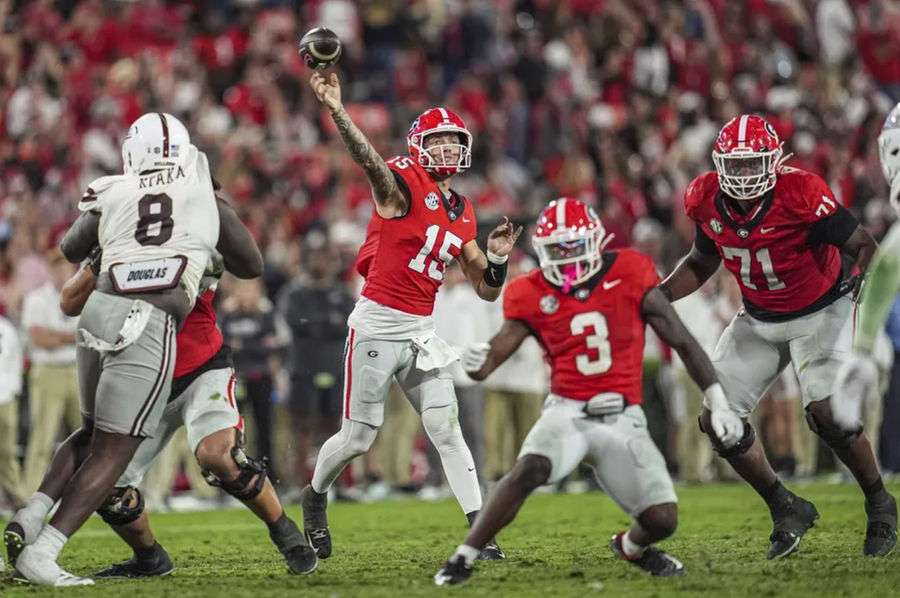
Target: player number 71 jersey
(403,258)
(769,250)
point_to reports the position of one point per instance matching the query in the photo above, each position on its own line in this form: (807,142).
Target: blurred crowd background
(615,102)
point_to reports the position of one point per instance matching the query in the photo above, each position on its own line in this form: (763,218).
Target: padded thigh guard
(836,438)
(740,447)
(123,506)
(251,479)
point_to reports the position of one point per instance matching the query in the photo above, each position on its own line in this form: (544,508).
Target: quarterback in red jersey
(202,400)
(780,232)
(588,309)
(419,226)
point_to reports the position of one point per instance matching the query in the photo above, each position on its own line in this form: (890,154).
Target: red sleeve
(813,197)
(515,303)
(645,274)
(694,195)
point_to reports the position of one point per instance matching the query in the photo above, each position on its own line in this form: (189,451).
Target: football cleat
(491,552)
(654,561)
(789,526)
(881,529)
(453,572)
(301,559)
(160,566)
(315,522)
(14,538)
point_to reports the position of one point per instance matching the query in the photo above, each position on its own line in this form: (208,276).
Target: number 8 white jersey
(158,227)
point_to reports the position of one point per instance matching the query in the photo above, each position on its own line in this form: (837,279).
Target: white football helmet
(155,140)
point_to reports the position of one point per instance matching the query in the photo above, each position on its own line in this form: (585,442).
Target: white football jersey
(149,222)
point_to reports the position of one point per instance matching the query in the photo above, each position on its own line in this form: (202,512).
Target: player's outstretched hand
(328,92)
(857,381)
(727,426)
(503,238)
(474,356)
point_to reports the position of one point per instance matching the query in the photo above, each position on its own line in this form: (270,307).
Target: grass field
(557,547)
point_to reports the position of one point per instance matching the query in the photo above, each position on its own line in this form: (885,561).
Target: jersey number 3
(422,260)
(154,227)
(598,341)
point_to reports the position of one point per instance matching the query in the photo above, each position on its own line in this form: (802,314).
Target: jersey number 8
(154,209)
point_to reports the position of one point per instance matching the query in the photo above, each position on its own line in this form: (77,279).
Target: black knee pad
(115,512)
(740,447)
(834,436)
(244,487)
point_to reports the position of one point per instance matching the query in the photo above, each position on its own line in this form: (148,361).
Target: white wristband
(496,259)
(715,397)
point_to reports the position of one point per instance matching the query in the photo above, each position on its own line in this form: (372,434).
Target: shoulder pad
(92,198)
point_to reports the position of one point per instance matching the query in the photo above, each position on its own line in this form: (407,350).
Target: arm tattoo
(380,176)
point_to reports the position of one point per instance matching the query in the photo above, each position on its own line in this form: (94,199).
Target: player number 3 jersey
(157,229)
(593,337)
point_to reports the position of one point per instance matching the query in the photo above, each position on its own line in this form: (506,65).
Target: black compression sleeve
(834,230)
(703,243)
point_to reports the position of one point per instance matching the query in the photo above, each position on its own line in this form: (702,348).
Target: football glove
(474,356)
(726,424)
(857,381)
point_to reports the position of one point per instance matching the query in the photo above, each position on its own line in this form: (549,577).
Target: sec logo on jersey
(432,201)
(549,304)
(715,225)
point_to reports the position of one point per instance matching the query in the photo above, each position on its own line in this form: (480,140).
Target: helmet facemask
(445,165)
(745,174)
(570,258)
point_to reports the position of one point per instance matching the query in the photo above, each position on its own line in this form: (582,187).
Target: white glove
(726,424)
(857,381)
(474,356)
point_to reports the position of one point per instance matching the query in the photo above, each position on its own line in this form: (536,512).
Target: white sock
(32,516)
(631,548)
(469,553)
(50,541)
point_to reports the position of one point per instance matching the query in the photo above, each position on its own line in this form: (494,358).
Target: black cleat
(797,516)
(315,522)
(14,538)
(453,572)
(301,560)
(654,561)
(133,567)
(881,529)
(491,552)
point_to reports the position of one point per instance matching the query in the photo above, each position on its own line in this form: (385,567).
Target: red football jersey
(593,337)
(199,338)
(403,258)
(766,249)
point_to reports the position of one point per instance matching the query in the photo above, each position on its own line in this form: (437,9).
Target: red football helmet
(440,120)
(569,240)
(747,154)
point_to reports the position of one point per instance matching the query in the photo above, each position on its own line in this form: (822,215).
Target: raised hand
(503,238)
(328,92)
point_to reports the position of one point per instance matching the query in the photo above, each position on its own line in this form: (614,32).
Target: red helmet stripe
(742,129)
(561,214)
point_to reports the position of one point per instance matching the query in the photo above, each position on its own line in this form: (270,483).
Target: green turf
(556,547)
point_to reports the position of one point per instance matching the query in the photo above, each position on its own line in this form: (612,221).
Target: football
(320,48)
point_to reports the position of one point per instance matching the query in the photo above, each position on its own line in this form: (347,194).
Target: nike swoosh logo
(767,230)
(608,285)
(471,469)
(466,220)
